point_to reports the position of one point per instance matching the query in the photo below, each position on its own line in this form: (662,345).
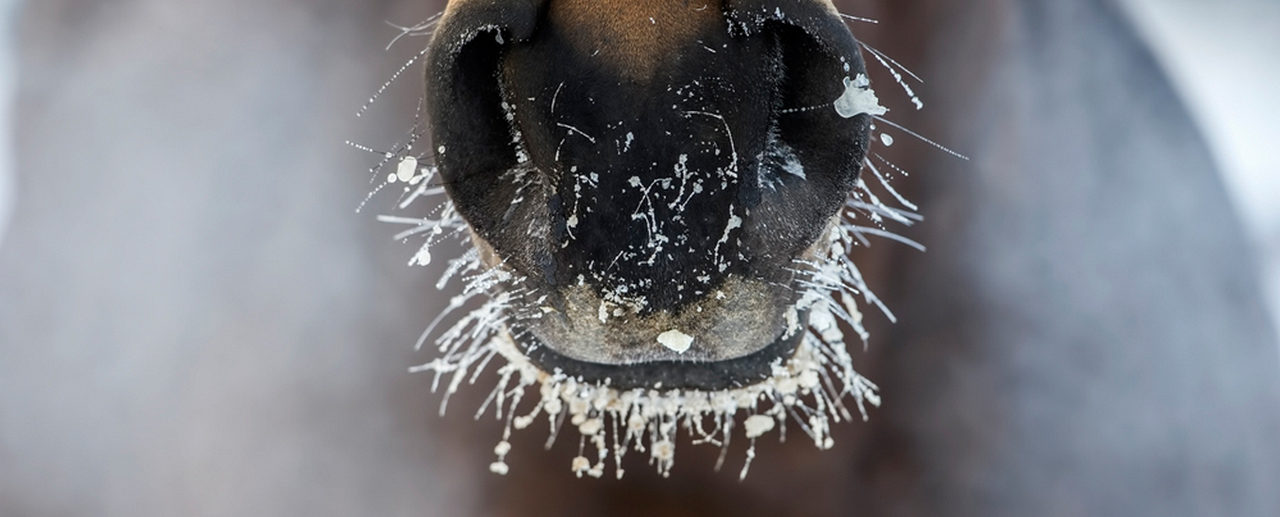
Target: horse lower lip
(694,375)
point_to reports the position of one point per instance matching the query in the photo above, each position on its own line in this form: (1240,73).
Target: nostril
(812,153)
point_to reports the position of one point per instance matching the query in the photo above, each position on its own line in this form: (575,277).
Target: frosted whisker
(940,147)
(382,89)
(423,28)
(858,18)
(886,57)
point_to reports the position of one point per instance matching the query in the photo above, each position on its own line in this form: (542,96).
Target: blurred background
(1214,54)
(195,321)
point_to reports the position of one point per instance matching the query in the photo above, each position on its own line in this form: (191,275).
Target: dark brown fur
(636,36)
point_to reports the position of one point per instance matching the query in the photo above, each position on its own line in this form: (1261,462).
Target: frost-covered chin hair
(654,365)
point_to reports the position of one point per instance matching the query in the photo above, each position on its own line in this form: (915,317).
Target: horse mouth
(664,374)
(731,337)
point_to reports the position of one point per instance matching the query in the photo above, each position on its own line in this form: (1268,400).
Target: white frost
(757,425)
(734,223)
(677,341)
(407,168)
(858,98)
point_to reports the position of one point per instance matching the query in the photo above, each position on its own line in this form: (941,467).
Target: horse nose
(648,146)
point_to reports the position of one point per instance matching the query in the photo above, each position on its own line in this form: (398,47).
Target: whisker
(922,138)
(858,18)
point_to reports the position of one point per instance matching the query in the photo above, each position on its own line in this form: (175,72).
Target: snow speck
(757,425)
(886,139)
(406,169)
(735,222)
(591,427)
(676,340)
(858,98)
